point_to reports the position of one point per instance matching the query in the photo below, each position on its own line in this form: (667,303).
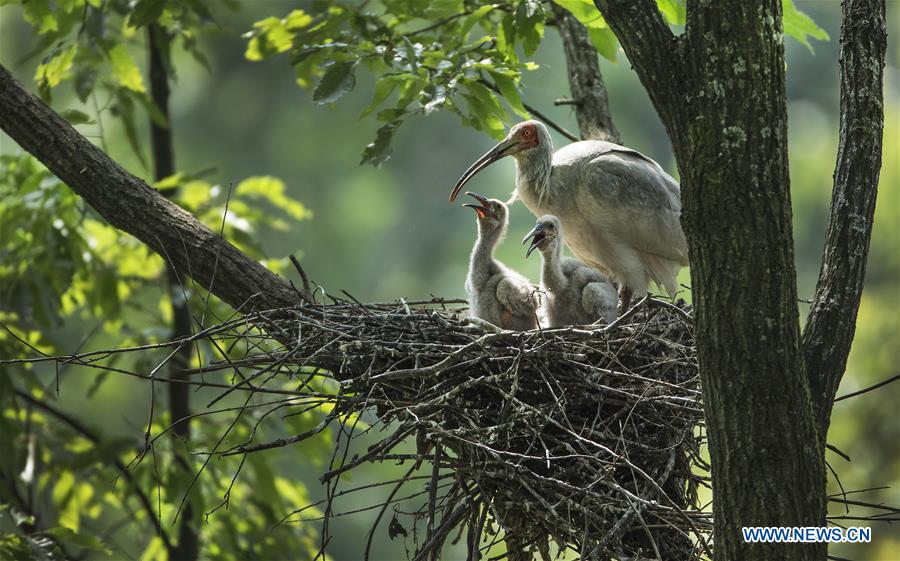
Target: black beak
(499,151)
(537,236)
(483,208)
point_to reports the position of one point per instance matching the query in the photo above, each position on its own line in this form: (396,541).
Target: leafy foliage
(64,267)
(453,55)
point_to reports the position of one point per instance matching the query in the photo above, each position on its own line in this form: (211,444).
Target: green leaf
(800,26)
(146,12)
(529,22)
(125,109)
(273,190)
(76,117)
(379,151)
(474,18)
(125,70)
(383,89)
(337,81)
(297,19)
(269,37)
(486,112)
(604,40)
(410,55)
(39,14)
(56,68)
(506,36)
(510,92)
(66,536)
(673,10)
(84,82)
(584,11)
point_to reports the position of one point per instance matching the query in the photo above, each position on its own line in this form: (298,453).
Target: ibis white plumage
(497,294)
(574,293)
(620,210)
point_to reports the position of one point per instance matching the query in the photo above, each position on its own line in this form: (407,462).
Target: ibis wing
(599,299)
(517,296)
(634,200)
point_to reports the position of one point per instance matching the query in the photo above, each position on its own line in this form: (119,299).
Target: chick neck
(552,276)
(483,264)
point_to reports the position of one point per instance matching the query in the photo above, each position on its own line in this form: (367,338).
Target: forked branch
(832,317)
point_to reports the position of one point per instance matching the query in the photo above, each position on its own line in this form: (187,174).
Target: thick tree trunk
(720,92)
(188,545)
(127,203)
(832,318)
(767,459)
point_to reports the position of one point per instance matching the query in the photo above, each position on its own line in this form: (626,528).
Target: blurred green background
(386,233)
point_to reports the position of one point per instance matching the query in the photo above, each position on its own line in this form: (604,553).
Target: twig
(530,108)
(893,378)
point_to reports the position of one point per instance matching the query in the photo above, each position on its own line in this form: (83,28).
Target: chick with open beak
(497,294)
(574,293)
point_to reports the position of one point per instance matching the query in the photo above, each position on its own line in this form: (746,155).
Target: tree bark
(585,80)
(127,203)
(832,318)
(719,90)
(188,546)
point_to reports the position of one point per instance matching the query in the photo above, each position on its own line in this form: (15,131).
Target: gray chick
(575,293)
(497,294)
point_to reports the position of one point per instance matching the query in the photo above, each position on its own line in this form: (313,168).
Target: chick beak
(483,209)
(537,236)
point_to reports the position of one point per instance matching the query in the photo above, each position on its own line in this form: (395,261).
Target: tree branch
(127,203)
(654,52)
(545,119)
(585,80)
(832,318)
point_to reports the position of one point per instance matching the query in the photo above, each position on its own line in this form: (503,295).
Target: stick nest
(584,438)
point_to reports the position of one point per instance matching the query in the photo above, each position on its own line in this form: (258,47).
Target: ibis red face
(521,137)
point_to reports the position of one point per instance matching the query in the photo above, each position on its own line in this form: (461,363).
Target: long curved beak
(500,150)
(536,235)
(483,208)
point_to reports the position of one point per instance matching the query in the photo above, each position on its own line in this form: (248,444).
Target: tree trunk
(188,545)
(725,110)
(767,459)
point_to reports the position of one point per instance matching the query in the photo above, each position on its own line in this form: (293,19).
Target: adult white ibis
(621,211)
(497,294)
(574,293)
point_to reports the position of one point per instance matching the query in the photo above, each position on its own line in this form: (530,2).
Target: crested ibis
(497,294)
(621,211)
(574,293)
